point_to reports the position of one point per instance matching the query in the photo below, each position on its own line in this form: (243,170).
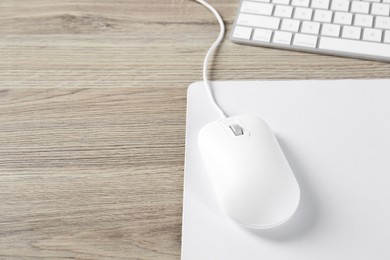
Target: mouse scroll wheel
(237,130)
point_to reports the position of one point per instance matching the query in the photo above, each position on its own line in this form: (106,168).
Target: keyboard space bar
(355,47)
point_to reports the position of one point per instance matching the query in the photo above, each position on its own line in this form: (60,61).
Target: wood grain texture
(91,173)
(92,119)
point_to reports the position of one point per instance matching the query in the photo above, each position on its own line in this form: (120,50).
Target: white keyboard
(359,29)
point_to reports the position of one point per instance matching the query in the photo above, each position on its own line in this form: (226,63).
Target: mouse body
(250,174)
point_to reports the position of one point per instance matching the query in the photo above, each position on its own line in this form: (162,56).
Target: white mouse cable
(209,53)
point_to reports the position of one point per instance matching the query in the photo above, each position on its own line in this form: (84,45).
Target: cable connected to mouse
(209,53)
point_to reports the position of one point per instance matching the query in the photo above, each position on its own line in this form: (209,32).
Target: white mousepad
(336,137)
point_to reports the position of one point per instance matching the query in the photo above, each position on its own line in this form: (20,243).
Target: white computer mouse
(251,176)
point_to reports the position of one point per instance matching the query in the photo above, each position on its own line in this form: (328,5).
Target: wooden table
(92,119)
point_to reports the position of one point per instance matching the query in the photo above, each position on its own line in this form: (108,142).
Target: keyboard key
(242,32)
(351,32)
(262,35)
(282,2)
(382,22)
(330,30)
(387,37)
(321,4)
(355,47)
(303,13)
(360,7)
(323,16)
(301,3)
(258,21)
(257,8)
(374,35)
(282,37)
(380,9)
(290,25)
(372,0)
(310,27)
(343,18)
(340,5)
(304,40)
(283,11)
(364,20)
